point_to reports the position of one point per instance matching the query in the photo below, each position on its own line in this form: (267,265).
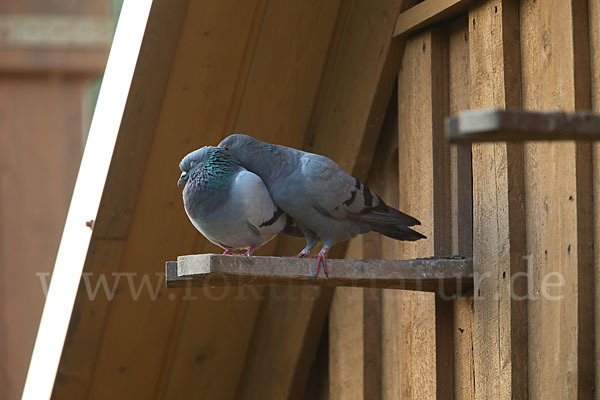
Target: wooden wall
(528,329)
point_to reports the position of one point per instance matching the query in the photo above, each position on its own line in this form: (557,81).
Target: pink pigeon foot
(250,251)
(322,258)
(228,252)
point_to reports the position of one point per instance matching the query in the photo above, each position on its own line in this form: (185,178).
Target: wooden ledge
(427,13)
(518,126)
(442,275)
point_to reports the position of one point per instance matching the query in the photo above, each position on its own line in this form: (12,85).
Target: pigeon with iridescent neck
(228,204)
(326,203)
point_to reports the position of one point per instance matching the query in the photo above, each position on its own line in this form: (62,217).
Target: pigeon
(228,204)
(327,204)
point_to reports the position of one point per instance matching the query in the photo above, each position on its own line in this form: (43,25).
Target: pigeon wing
(335,193)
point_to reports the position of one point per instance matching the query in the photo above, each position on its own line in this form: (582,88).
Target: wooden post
(500,324)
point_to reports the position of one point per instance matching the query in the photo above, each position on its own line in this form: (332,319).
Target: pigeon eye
(226,147)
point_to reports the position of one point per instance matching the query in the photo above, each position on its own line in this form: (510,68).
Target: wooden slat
(428,13)
(555,72)
(425,192)
(594,29)
(462,207)
(500,323)
(427,274)
(514,125)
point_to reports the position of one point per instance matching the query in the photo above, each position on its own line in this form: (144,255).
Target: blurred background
(52,57)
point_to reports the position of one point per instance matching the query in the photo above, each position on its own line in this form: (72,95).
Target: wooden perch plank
(427,13)
(493,125)
(453,275)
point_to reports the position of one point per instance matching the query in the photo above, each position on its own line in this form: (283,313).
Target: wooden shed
(368,84)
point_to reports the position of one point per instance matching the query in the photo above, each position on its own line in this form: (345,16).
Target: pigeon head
(203,159)
(244,148)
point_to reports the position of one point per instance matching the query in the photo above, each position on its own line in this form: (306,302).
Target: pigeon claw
(250,251)
(321,258)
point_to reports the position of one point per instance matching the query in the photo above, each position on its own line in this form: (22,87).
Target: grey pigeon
(326,203)
(228,204)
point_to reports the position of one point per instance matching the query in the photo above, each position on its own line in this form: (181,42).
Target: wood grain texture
(500,323)
(428,13)
(427,274)
(284,342)
(462,206)
(352,100)
(354,322)
(557,177)
(492,125)
(594,29)
(424,178)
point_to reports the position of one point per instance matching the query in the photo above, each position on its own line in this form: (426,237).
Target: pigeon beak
(182,178)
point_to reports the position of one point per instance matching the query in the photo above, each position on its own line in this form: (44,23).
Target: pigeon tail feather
(399,232)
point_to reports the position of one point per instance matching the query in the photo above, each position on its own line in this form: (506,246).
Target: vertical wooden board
(424,181)
(594,29)
(408,345)
(38,165)
(462,209)
(196,106)
(346,344)
(424,170)
(461,171)
(500,328)
(464,358)
(557,199)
